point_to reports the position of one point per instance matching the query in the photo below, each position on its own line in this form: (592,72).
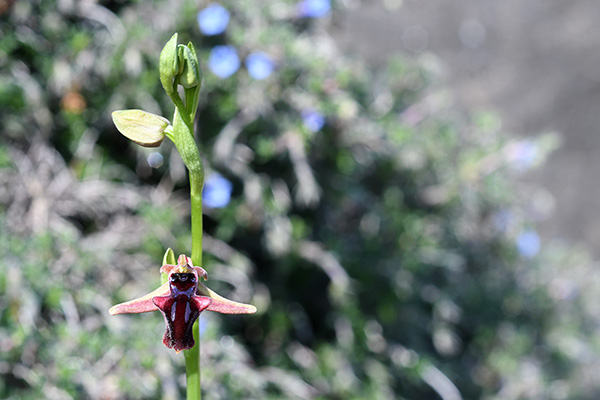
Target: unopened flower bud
(190,75)
(142,127)
(169,64)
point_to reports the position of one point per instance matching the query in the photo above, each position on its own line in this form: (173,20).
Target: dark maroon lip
(180,312)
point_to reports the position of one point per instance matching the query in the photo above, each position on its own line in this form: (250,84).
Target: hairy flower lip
(180,312)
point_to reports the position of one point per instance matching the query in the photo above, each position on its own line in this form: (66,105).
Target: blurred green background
(378,229)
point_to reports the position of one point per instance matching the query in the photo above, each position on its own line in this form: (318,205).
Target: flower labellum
(181,300)
(181,307)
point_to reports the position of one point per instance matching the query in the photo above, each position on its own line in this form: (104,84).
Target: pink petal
(222,305)
(141,304)
(167,268)
(201,273)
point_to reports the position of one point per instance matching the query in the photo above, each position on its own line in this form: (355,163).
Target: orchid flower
(181,300)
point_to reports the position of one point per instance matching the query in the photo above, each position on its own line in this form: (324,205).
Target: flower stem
(186,146)
(196,200)
(192,368)
(183,133)
(192,356)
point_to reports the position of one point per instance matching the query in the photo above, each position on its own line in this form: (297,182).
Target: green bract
(142,127)
(168,258)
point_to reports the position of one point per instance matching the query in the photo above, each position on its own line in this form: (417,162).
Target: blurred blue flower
(223,61)
(528,243)
(313,120)
(259,65)
(217,191)
(155,160)
(314,8)
(524,154)
(213,20)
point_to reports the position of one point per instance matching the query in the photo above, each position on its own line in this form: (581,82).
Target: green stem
(192,368)
(196,199)
(186,146)
(183,134)
(182,111)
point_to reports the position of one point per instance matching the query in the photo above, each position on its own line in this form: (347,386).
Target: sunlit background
(404,189)
(535,63)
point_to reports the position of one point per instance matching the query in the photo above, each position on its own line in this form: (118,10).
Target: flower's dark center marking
(183,284)
(185,277)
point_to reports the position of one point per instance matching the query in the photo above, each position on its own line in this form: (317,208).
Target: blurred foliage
(377,229)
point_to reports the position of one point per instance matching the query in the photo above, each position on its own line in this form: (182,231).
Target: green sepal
(141,127)
(168,258)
